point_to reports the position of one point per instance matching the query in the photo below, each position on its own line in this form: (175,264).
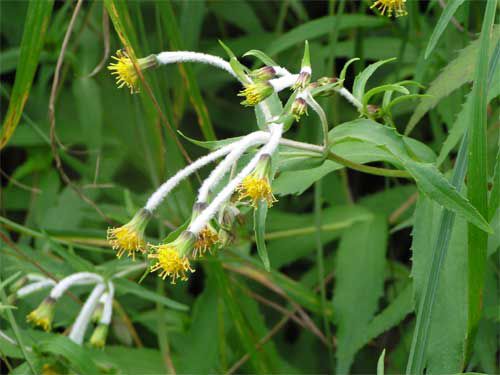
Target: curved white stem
(80,278)
(240,147)
(159,195)
(281,71)
(33,287)
(279,84)
(350,98)
(107,311)
(82,321)
(201,221)
(172,57)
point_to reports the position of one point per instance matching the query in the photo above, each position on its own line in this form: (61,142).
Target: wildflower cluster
(97,307)
(249,185)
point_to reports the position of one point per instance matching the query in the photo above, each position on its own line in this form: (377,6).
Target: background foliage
(378,239)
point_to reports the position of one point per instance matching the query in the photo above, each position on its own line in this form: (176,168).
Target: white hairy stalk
(207,214)
(33,287)
(80,278)
(350,98)
(220,171)
(77,332)
(172,57)
(107,311)
(159,195)
(36,277)
(279,84)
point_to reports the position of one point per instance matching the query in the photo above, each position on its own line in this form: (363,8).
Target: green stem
(15,329)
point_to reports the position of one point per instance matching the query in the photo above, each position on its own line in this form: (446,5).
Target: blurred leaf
(455,74)
(380,363)
(35,28)
(444,20)
(359,285)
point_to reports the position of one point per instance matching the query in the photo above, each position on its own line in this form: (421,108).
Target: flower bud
(299,108)
(43,315)
(263,74)
(99,336)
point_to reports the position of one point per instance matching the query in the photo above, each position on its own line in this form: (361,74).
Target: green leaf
(125,286)
(359,285)
(261,56)
(321,26)
(376,90)
(344,69)
(75,354)
(477,177)
(358,88)
(444,20)
(259,222)
(454,75)
(35,28)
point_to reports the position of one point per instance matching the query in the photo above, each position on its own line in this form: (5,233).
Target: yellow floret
(397,7)
(170,262)
(43,315)
(206,240)
(257,189)
(125,71)
(126,239)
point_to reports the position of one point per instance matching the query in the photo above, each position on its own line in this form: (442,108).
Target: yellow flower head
(256,92)
(43,315)
(98,338)
(125,71)
(130,237)
(207,239)
(256,185)
(171,258)
(397,7)
(299,108)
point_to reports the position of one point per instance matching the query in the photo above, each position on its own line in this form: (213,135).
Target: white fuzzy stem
(82,321)
(172,57)
(107,311)
(350,98)
(80,278)
(240,147)
(201,221)
(36,277)
(281,71)
(159,195)
(33,287)
(284,82)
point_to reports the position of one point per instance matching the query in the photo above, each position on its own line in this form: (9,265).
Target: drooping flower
(255,92)
(256,186)
(43,315)
(396,7)
(299,108)
(130,237)
(125,71)
(172,258)
(207,239)
(98,338)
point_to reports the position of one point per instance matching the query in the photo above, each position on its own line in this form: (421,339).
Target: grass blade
(35,27)
(259,222)
(478,178)
(445,18)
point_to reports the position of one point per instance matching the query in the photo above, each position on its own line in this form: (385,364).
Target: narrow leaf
(259,222)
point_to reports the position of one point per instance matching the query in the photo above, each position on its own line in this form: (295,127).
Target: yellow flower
(98,338)
(397,7)
(130,237)
(206,240)
(43,315)
(256,92)
(125,71)
(256,185)
(171,258)
(257,189)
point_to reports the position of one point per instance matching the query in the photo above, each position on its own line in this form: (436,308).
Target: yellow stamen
(125,71)
(126,239)
(205,241)
(257,189)
(397,7)
(254,93)
(170,262)
(42,316)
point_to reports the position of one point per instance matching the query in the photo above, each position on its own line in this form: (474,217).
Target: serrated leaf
(454,75)
(259,222)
